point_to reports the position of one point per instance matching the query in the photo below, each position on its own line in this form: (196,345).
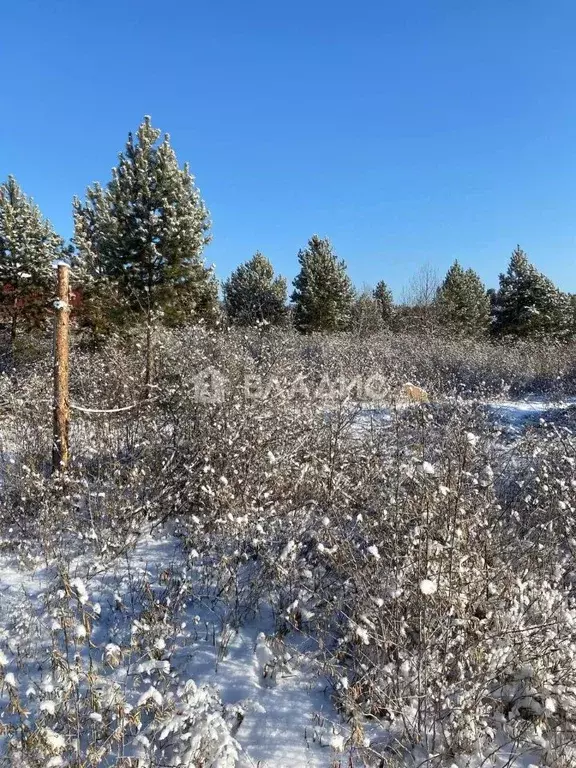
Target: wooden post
(61,409)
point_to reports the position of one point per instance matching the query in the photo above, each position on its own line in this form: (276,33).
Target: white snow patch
(428,587)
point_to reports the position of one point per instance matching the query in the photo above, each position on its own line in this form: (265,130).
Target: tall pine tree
(323,293)
(142,236)
(253,294)
(383,296)
(528,304)
(463,303)
(28,247)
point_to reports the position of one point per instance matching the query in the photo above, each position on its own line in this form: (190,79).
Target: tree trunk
(149,360)
(149,356)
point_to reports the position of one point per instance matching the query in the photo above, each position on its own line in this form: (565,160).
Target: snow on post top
(61,263)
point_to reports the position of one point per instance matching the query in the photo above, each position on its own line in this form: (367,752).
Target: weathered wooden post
(61,408)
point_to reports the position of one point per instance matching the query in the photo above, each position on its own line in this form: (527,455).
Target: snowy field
(256,707)
(151,663)
(513,416)
(286,582)
(79,645)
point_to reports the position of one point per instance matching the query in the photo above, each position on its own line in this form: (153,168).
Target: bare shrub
(425,564)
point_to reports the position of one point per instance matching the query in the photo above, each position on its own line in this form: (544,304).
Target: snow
(472,438)
(54,740)
(514,416)
(516,412)
(152,694)
(373,550)
(428,587)
(280,727)
(287,716)
(80,588)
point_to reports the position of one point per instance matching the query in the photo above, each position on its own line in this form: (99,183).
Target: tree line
(137,254)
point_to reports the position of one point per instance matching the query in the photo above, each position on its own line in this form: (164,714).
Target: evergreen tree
(141,237)
(528,303)
(252,294)
(323,293)
(492,294)
(572,312)
(28,247)
(367,315)
(463,303)
(383,296)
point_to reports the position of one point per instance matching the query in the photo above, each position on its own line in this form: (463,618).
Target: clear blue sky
(407,131)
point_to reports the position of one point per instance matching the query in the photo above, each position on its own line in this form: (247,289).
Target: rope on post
(107,410)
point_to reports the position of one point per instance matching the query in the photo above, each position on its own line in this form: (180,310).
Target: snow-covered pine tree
(572,309)
(528,304)
(142,235)
(367,315)
(463,303)
(28,247)
(323,293)
(253,294)
(383,296)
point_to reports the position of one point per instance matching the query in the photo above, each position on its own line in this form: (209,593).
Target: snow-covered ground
(517,414)
(281,714)
(274,711)
(98,630)
(512,415)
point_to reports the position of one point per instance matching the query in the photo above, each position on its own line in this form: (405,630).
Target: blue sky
(408,132)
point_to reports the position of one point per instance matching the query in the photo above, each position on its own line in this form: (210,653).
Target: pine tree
(492,294)
(367,315)
(142,236)
(463,303)
(28,247)
(323,293)
(572,313)
(528,303)
(383,296)
(252,293)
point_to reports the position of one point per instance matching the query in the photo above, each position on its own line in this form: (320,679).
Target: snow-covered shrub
(90,676)
(191,731)
(422,563)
